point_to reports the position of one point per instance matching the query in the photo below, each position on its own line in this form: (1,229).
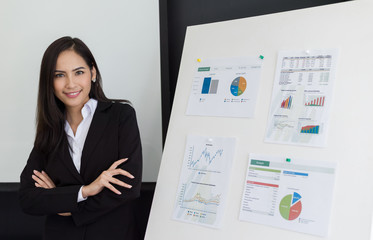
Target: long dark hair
(50,119)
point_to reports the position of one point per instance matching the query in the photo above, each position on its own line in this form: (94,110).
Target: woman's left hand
(42,180)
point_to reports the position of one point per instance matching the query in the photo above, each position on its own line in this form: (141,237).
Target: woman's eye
(58,75)
(79,72)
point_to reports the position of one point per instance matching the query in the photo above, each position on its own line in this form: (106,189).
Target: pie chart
(291,206)
(238,86)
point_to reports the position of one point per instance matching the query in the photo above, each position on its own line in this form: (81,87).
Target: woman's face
(72,80)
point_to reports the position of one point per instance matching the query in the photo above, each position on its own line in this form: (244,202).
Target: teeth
(73,94)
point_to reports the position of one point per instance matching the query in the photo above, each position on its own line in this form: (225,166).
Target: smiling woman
(86,149)
(72,84)
(72,81)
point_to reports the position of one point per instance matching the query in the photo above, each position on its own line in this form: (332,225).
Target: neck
(74,117)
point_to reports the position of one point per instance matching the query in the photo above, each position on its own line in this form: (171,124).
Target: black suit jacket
(113,135)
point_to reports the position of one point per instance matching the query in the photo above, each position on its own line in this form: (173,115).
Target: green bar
(265,169)
(203,69)
(260,163)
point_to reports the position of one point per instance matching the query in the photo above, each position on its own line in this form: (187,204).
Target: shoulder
(123,109)
(114,106)
(123,106)
(117,109)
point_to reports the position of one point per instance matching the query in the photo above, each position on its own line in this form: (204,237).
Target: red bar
(262,184)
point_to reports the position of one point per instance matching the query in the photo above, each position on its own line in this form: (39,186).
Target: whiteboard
(342,26)
(124,38)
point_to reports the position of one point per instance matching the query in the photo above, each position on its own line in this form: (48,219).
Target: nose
(70,82)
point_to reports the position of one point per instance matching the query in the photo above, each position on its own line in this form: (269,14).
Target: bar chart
(209,86)
(286,104)
(315,101)
(313,129)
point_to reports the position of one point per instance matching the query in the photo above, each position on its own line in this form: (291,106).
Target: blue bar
(206,85)
(295,173)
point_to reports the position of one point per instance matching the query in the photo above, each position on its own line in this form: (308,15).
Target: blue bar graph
(206,85)
(313,129)
(295,173)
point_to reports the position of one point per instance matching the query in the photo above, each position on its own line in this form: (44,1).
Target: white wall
(343,26)
(124,38)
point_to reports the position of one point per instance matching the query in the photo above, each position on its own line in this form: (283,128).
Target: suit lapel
(67,160)
(97,128)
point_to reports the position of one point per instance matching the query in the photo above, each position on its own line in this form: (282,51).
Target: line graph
(281,125)
(203,181)
(206,157)
(214,200)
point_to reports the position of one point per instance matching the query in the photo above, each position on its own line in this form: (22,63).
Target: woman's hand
(106,179)
(65,214)
(42,180)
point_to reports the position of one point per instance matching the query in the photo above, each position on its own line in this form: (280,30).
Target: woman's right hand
(106,179)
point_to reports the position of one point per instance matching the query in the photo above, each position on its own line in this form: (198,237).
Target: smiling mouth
(73,94)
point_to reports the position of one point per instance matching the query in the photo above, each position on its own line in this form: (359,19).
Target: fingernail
(35,171)
(132,176)
(125,159)
(129,186)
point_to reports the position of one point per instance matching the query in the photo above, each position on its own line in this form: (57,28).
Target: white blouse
(76,141)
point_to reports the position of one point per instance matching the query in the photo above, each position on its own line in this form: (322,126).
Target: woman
(84,171)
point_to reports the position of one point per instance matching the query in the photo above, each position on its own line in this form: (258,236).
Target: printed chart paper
(204,180)
(225,87)
(301,98)
(295,195)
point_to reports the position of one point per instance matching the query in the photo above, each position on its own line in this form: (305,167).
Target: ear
(93,72)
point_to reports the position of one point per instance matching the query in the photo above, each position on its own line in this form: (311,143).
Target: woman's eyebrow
(78,68)
(75,69)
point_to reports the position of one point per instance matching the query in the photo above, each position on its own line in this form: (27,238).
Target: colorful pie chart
(238,86)
(291,206)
